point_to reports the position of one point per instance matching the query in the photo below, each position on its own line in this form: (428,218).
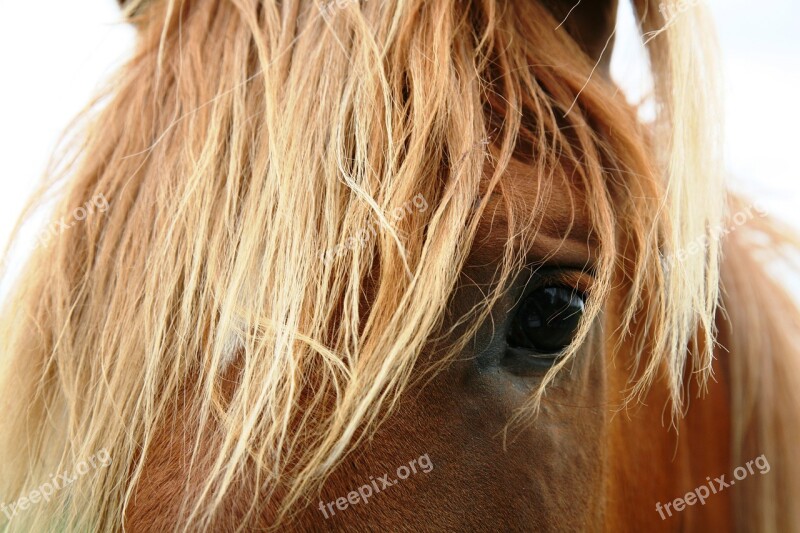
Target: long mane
(761,330)
(244,148)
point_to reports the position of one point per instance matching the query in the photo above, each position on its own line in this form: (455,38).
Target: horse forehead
(562,223)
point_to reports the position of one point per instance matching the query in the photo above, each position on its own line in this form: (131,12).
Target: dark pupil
(547,320)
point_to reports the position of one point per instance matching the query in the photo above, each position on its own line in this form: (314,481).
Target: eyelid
(574,278)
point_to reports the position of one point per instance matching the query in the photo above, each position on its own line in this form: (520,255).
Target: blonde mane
(242,148)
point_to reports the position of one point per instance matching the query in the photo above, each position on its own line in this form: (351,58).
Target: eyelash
(575,279)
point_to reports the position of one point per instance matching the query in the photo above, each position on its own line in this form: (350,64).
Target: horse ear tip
(591,24)
(127,5)
(130,8)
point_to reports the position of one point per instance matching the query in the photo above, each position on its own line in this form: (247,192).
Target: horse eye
(547,321)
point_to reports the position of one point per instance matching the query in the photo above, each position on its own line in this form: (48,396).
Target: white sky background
(55,53)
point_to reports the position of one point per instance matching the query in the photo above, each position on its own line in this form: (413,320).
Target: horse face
(484,474)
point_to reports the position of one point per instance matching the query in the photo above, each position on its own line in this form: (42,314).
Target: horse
(401,265)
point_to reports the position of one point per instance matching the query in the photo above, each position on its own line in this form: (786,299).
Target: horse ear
(591,23)
(131,8)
